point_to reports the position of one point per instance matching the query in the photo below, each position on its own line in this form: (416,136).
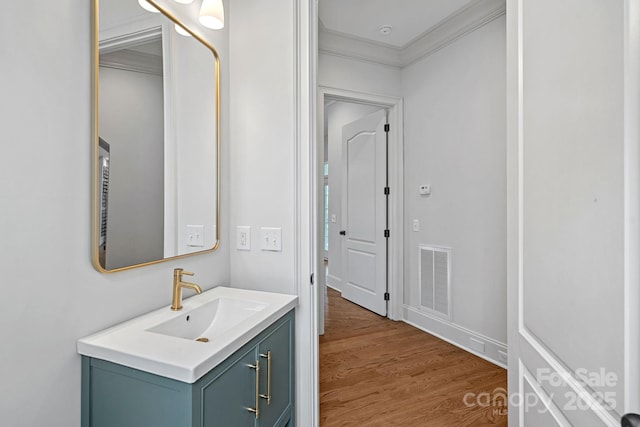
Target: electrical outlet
(425,190)
(195,235)
(271,239)
(243,238)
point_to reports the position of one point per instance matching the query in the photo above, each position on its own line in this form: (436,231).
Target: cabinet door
(227,397)
(279,389)
(115,395)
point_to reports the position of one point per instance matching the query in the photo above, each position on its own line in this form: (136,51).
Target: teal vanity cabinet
(252,387)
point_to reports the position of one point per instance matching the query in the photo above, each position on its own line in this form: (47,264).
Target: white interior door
(573,207)
(364,212)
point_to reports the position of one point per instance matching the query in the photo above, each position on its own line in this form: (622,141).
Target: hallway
(377,372)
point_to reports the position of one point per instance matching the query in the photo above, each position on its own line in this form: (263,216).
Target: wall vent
(435,280)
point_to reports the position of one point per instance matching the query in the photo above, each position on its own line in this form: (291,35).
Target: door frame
(305,267)
(632,203)
(396,201)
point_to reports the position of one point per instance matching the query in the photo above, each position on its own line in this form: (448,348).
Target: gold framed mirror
(156,136)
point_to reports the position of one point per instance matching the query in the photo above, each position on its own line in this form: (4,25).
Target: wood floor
(377,372)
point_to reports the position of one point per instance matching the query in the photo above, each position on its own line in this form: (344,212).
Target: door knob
(343,232)
(631,420)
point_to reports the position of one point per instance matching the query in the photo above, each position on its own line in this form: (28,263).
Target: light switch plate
(243,238)
(195,235)
(271,239)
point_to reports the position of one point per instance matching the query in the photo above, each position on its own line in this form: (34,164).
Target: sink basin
(184,345)
(209,320)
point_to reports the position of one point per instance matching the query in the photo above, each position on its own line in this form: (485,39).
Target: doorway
(349,106)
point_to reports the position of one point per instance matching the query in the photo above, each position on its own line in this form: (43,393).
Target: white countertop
(131,344)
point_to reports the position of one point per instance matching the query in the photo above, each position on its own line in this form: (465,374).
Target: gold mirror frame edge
(95,58)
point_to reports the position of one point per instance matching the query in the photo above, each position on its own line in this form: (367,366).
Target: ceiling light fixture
(181,31)
(385,30)
(212,14)
(147,6)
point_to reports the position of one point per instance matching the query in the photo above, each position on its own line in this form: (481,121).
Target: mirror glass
(156,131)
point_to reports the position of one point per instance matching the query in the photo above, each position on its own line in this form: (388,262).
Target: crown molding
(339,44)
(129,60)
(115,53)
(456,25)
(459,24)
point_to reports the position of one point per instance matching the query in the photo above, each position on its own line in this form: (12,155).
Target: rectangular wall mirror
(156,136)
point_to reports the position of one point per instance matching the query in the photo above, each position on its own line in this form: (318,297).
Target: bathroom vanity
(226,359)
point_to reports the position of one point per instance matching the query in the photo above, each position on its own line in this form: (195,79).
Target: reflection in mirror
(156,138)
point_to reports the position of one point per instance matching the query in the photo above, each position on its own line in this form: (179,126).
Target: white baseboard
(334,282)
(457,335)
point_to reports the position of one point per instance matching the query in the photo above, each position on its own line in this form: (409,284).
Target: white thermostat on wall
(425,190)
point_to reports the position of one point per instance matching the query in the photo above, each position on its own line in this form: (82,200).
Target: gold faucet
(178,284)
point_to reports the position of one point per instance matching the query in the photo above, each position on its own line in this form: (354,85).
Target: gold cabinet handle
(256,410)
(268,395)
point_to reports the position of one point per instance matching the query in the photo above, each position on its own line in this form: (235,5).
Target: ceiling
(409,18)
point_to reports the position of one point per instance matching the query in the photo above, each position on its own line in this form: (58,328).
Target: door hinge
(387,190)
(386,233)
(311,278)
(386,296)
(386,127)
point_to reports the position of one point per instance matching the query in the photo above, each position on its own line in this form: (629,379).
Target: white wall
(455,140)
(337,115)
(132,123)
(262,148)
(358,76)
(52,293)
